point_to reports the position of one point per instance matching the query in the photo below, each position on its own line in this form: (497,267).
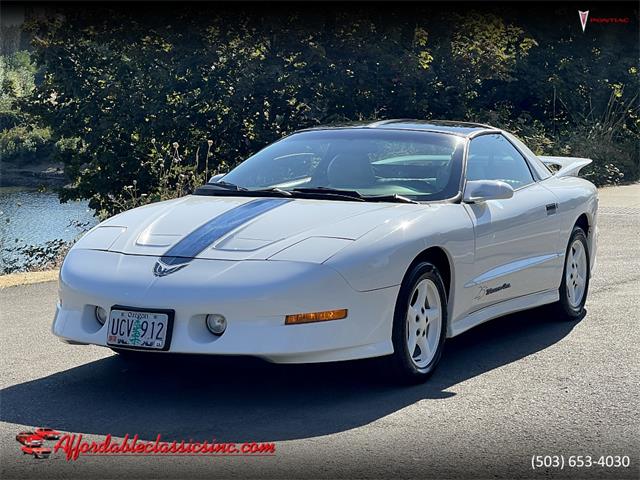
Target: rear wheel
(419,325)
(575,277)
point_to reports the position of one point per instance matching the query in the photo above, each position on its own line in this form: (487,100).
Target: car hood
(237,228)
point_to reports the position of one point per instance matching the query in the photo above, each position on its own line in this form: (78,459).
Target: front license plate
(141,329)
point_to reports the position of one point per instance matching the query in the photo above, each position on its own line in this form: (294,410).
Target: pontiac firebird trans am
(339,243)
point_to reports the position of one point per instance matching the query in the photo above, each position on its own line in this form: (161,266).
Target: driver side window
(492,157)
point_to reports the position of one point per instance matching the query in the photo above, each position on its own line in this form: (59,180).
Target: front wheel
(575,277)
(419,324)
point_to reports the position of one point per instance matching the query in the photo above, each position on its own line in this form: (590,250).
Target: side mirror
(217,177)
(483,190)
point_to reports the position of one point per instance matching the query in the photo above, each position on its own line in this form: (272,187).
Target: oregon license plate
(141,329)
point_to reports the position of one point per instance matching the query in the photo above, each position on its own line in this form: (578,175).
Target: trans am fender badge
(491,290)
(161,269)
(484,290)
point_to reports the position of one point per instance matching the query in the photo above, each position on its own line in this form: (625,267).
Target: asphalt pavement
(519,386)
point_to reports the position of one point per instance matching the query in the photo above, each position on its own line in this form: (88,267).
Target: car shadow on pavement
(238,399)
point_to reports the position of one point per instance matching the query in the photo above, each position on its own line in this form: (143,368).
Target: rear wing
(566,166)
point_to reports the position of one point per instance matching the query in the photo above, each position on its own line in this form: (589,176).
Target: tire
(422,291)
(574,285)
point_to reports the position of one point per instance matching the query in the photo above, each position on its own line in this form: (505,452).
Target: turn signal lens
(315,317)
(101,315)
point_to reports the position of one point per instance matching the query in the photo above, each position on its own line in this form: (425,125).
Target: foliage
(16,75)
(22,138)
(24,143)
(24,257)
(114,81)
(175,177)
(17,256)
(605,139)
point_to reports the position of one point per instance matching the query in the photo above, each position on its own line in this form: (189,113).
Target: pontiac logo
(161,269)
(583,19)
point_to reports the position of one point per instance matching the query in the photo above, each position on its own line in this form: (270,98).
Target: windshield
(421,166)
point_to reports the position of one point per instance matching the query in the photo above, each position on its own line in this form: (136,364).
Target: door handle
(552,208)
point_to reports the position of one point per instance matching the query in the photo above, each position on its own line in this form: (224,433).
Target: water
(34,218)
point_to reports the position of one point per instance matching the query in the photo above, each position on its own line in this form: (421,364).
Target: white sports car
(338,243)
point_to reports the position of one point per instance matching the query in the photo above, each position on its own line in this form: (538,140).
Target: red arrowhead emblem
(583,18)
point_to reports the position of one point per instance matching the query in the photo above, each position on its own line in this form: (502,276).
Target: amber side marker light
(315,317)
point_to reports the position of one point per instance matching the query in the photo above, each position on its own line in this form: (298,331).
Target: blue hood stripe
(206,234)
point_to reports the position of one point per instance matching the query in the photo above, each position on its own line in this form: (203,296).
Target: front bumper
(254,296)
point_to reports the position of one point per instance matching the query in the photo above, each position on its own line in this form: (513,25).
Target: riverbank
(27,278)
(44,174)
(35,226)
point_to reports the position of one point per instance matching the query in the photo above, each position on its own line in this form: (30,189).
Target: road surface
(519,386)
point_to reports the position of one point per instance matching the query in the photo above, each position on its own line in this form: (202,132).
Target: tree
(120,89)
(134,338)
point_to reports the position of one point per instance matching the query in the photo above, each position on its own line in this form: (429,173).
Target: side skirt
(513,305)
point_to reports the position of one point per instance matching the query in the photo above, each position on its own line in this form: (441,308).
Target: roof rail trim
(386,122)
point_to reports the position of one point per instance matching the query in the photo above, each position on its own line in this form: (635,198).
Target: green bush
(605,137)
(22,138)
(17,72)
(115,81)
(23,144)
(29,258)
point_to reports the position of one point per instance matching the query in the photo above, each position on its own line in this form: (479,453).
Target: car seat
(350,171)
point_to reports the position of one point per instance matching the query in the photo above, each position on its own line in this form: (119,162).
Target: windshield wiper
(229,189)
(388,198)
(330,192)
(355,195)
(227,186)
(276,190)
(237,188)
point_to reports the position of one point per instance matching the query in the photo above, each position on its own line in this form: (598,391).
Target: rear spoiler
(566,166)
